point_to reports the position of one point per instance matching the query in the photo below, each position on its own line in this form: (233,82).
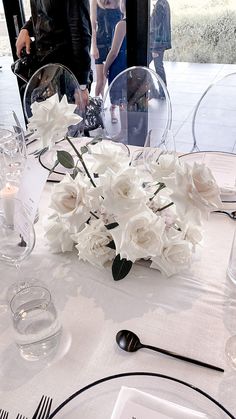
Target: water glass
(231,271)
(36,325)
(13,152)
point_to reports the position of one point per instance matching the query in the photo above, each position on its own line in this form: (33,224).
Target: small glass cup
(231,271)
(36,326)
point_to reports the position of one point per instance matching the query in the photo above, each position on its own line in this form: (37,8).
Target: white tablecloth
(193,314)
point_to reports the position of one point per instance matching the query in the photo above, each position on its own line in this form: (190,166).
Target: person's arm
(23,39)
(93,14)
(119,35)
(78,18)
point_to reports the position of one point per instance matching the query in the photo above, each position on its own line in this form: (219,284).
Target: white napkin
(132,403)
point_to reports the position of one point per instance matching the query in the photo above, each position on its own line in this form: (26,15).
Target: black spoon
(129,342)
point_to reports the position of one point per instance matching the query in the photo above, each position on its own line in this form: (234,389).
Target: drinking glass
(231,271)
(16,232)
(36,326)
(14,153)
(230,348)
(17,240)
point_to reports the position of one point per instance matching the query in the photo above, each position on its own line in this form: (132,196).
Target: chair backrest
(48,80)
(140,110)
(214,118)
(56,78)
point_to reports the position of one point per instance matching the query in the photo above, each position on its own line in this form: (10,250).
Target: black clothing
(160,27)
(106,23)
(62,32)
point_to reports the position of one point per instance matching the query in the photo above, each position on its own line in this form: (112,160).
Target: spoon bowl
(128,341)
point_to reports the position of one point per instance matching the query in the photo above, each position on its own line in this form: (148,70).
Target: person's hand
(81,98)
(155,54)
(22,41)
(95,52)
(105,72)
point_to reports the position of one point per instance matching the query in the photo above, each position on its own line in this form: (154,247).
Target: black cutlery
(129,342)
(231,214)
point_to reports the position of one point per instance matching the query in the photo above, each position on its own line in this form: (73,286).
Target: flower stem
(162,186)
(94,215)
(166,206)
(81,160)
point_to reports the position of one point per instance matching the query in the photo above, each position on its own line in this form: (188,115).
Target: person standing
(105,14)
(160,37)
(116,62)
(62,32)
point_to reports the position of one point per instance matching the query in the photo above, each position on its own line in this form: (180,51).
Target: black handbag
(25,66)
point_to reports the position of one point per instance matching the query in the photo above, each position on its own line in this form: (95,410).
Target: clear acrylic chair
(142,113)
(214,118)
(47,81)
(56,78)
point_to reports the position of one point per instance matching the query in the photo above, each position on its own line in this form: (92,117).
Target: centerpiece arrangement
(115,213)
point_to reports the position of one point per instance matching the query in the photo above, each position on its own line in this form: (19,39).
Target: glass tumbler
(231,271)
(36,326)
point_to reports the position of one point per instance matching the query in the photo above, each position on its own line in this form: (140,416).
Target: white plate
(97,400)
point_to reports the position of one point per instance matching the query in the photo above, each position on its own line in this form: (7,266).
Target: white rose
(192,233)
(58,235)
(163,167)
(122,191)
(92,243)
(68,200)
(139,236)
(176,256)
(205,186)
(108,155)
(51,119)
(194,189)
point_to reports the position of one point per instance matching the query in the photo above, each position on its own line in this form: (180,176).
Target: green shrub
(203,34)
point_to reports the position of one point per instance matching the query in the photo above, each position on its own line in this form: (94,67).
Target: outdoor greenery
(203,31)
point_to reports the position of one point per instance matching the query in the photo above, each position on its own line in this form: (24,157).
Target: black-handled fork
(43,409)
(3,414)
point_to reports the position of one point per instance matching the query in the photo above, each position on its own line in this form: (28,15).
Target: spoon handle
(183,358)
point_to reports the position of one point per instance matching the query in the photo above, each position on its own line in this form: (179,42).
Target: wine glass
(230,348)
(14,153)
(17,238)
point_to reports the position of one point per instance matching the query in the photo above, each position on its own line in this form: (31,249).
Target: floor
(186,83)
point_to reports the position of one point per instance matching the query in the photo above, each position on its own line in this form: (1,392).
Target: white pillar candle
(7,194)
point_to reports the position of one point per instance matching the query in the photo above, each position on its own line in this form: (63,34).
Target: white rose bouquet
(115,214)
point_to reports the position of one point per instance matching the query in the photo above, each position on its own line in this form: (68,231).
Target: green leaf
(111,226)
(111,245)
(84,149)
(76,170)
(95,141)
(120,268)
(65,159)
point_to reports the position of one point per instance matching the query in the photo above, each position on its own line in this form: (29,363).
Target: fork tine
(47,408)
(43,408)
(3,414)
(38,407)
